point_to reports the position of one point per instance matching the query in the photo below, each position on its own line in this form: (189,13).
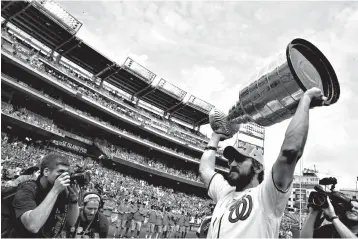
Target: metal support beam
(16,14)
(142,90)
(7,5)
(105,69)
(78,44)
(154,88)
(174,106)
(62,44)
(120,68)
(181,106)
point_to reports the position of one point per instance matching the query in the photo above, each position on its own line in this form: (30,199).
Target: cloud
(212,84)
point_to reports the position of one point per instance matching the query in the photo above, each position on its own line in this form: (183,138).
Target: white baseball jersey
(255,212)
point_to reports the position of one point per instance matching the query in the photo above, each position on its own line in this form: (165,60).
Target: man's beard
(240,181)
(89,217)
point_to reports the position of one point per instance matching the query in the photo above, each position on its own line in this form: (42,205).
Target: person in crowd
(151,222)
(180,226)
(159,223)
(165,221)
(171,226)
(186,224)
(137,219)
(130,222)
(91,223)
(176,225)
(264,199)
(124,209)
(43,207)
(107,209)
(31,173)
(289,233)
(145,216)
(121,210)
(344,225)
(113,224)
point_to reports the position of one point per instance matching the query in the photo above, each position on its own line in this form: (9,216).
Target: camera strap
(59,225)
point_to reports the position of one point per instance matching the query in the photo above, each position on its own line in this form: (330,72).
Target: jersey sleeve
(218,187)
(271,198)
(24,199)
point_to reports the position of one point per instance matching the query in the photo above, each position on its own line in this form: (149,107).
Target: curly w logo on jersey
(241,210)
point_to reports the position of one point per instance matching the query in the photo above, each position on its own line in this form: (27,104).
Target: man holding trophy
(247,203)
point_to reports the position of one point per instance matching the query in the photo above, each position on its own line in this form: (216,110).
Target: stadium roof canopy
(130,77)
(195,111)
(164,96)
(51,25)
(46,21)
(86,57)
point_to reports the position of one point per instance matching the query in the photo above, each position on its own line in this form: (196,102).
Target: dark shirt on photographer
(98,228)
(27,198)
(326,231)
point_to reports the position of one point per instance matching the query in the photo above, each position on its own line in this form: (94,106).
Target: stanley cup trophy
(275,95)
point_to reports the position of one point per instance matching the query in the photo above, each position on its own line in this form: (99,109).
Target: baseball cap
(247,150)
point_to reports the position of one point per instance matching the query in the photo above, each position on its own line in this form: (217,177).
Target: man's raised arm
(295,139)
(207,161)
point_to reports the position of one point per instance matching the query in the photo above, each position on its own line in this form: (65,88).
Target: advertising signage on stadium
(241,144)
(253,130)
(70,146)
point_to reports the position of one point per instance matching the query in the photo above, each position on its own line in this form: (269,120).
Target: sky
(214,49)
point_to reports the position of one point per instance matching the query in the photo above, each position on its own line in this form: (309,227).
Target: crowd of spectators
(149,119)
(285,230)
(30,117)
(115,151)
(18,155)
(111,150)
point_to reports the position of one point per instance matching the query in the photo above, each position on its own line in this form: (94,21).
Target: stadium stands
(59,94)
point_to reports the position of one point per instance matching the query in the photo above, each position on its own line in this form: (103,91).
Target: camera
(82,178)
(318,199)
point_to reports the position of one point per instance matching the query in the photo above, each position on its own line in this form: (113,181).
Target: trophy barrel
(275,95)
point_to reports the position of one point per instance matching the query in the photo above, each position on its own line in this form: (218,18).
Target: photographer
(91,222)
(344,226)
(43,207)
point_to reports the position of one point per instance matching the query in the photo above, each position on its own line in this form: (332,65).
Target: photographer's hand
(329,211)
(73,212)
(61,183)
(73,192)
(342,229)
